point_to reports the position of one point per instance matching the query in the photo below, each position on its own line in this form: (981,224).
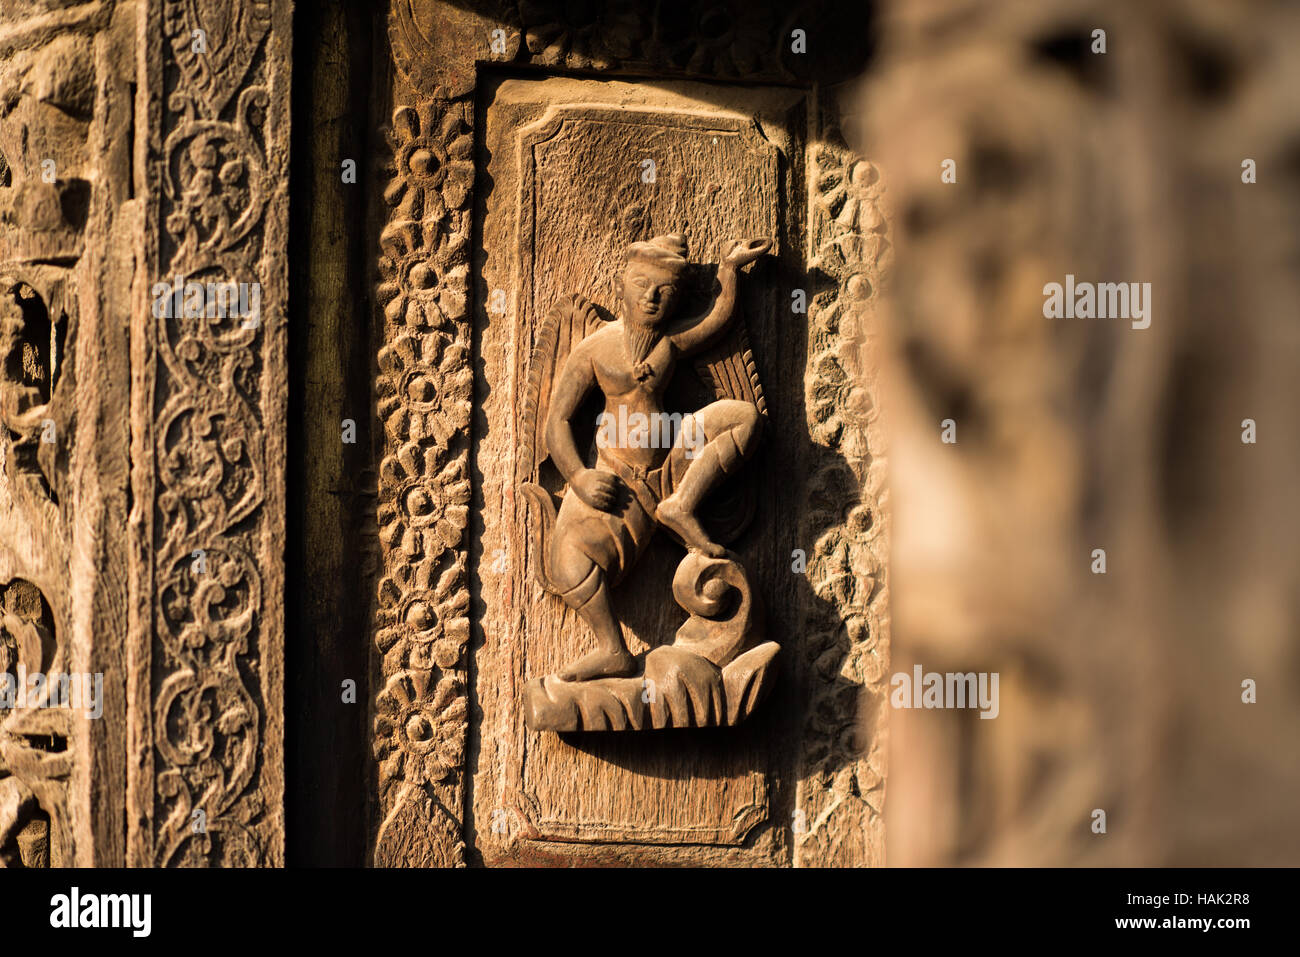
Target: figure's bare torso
(625,396)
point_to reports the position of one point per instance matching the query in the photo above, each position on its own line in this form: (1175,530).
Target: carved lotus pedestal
(715,673)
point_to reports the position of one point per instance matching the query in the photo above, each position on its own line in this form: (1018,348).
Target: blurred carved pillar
(1122,691)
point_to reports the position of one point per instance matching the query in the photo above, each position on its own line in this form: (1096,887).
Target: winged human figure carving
(650,469)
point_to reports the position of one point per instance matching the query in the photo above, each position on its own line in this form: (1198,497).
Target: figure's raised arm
(696,332)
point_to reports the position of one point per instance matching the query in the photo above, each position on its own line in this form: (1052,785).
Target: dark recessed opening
(74,197)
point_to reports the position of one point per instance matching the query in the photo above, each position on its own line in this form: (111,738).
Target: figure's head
(652,279)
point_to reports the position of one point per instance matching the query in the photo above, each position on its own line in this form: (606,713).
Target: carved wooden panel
(144,145)
(507,195)
(568,195)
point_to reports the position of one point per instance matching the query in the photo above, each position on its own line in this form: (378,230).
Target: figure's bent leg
(731,432)
(584,589)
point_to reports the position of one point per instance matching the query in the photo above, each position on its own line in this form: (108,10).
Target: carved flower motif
(432,511)
(420,737)
(853,239)
(847,186)
(212,605)
(425,517)
(424,269)
(582,35)
(433,162)
(430,629)
(432,644)
(424,389)
(215,191)
(424,273)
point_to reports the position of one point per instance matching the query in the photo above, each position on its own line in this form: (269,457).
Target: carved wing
(567,323)
(729,369)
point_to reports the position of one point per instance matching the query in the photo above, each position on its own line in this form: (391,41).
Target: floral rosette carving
(433,159)
(854,241)
(423,399)
(428,518)
(424,388)
(424,266)
(598,37)
(420,731)
(842,778)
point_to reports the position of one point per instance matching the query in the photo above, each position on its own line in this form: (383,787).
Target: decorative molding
(53,111)
(840,793)
(212,402)
(423,393)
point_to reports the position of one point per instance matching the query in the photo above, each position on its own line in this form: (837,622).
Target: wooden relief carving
(649,471)
(34,757)
(513,607)
(841,787)
(423,393)
(208,660)
(49,156)
(558,224)
(542,572)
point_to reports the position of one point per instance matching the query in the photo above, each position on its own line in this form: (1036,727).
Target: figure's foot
(671,515)
(600,664)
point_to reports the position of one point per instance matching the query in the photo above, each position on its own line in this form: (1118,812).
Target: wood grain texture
(330,482)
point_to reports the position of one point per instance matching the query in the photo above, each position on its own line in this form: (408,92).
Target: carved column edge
(841,785)
(208,410)
(64,257)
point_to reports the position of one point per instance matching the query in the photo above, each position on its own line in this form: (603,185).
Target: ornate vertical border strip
(424,393)
(840,792)
(209,392)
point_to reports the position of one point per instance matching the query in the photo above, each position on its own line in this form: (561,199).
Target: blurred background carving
(1119,691)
